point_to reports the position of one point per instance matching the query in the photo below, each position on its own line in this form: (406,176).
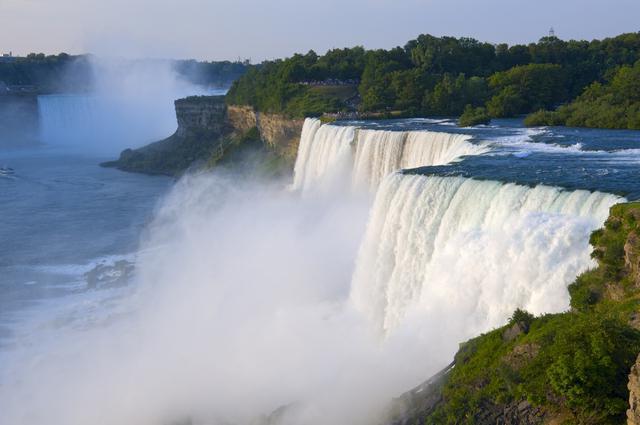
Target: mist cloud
(241,307)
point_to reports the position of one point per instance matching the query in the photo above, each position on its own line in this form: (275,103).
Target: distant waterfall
(471,252)
(370,155)
(107,123)
(66,119)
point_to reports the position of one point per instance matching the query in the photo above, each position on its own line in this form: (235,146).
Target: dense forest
(67,73)
(614,104)
(443,76)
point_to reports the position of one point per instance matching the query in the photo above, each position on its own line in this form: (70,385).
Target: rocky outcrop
(207,130)
(633,414)
(242,118)
(201,113)
(281,134)
(203,133)
(416,404)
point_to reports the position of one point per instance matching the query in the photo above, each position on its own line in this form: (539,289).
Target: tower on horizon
(552,32)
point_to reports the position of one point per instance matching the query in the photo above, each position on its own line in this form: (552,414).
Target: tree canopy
(437,76)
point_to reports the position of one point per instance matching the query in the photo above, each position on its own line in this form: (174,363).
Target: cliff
(202,134)
(279,133)
(577,367)
(210,133)
(201,114)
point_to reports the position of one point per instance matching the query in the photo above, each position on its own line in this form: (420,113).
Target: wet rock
(110,275)
(633,414)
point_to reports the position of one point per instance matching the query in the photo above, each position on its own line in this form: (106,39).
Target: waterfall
(468,253)
(432,148)
(378,153)
(326,150)
(66,119)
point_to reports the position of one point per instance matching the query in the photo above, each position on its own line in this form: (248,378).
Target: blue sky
(259,29)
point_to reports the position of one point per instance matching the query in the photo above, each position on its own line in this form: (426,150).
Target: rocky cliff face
(201,114)
(279,133)
(208,130)
(203,133)
(242,118)
(633,414)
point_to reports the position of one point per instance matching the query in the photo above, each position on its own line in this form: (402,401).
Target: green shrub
(474,116)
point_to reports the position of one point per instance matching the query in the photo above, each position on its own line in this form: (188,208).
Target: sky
(259,29)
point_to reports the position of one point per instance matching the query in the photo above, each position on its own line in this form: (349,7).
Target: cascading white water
(378,153)
(325,150)
(324,153)
(433,148)
(459,250)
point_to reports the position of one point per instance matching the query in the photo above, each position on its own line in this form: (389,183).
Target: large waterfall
(470,252)
(327,151)
(451,248)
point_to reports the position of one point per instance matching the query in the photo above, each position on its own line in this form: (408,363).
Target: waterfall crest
(324,150)
(370,155)
(470,251)
(378,153)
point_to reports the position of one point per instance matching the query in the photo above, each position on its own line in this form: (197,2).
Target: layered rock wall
(201,113)
(279,133)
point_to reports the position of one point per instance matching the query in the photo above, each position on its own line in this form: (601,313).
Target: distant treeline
(67,73)
(53,73)
(442,76)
